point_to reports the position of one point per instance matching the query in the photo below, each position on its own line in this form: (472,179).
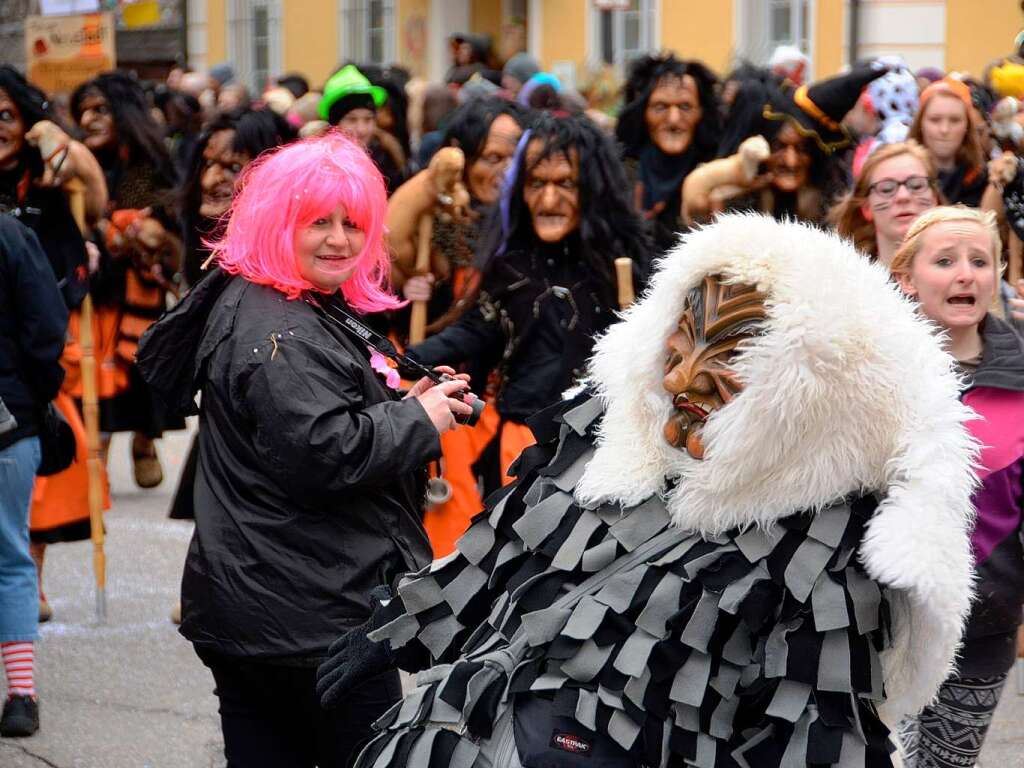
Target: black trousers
(271,717)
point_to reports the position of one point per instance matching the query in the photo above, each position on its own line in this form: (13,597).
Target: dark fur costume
(750,647)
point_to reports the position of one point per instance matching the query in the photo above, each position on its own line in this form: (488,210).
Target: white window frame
(242,38)
(752,32)
(354,32)
(649,17)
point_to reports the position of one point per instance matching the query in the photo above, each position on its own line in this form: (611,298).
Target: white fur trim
(847,390)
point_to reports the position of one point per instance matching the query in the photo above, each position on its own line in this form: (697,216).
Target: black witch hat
(817,109)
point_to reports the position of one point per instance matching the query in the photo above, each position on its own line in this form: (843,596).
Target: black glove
(354,658)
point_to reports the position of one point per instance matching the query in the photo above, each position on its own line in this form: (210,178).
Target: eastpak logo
(568,742)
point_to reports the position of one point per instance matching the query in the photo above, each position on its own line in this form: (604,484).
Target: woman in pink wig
(310,471)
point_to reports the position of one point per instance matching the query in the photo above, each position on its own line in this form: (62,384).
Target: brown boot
(146,463)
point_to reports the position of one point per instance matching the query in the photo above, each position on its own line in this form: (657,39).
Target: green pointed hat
(349,81)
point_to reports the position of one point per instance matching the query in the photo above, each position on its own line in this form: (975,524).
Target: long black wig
(467,127)
(256,130)
(33,106)
(137,131)
(610,226)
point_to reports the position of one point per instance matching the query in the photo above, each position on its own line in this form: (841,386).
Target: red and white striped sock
(18,663)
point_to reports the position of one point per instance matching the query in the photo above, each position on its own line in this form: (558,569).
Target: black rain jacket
(543,309)
(33,322)
(309,481)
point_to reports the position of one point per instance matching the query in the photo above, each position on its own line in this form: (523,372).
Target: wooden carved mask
(716,318)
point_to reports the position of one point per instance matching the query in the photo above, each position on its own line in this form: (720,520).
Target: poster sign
(61,52)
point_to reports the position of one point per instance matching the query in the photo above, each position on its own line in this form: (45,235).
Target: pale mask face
(552,194)
(485,174)
(12,132)
(716,319)
(221,167)
(790,160)
(97,121)
(672,114)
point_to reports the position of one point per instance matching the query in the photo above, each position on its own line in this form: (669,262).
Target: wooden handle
(624,278)
(75,190)
(418,319)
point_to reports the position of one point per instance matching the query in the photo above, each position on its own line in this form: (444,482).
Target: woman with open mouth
(950,263)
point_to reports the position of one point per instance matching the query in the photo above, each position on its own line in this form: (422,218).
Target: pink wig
(287,189)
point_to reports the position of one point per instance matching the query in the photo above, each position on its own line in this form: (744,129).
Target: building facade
(150,51)
(573,37)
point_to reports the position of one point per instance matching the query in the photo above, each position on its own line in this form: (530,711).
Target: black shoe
(20,718)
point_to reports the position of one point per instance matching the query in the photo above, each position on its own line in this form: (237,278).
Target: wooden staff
(1015,269)
(624,278)
(90,412)
(424,233)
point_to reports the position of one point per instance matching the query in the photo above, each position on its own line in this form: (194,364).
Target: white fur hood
(847,390)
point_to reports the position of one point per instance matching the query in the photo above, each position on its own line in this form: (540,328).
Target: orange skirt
(63,498)
(515,438)
(460,449)
(111,371)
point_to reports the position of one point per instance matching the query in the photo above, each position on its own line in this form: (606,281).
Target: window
(763,25)
(260,44)
(623,30)
(367,31)
(254,41)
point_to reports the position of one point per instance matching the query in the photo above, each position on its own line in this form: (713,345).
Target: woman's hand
(1017,303)
(54,146)
(438,399)
(419,287)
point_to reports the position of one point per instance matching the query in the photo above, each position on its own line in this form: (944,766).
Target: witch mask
(716,318)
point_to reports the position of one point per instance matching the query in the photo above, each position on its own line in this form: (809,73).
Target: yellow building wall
(216,32)
(563,32)
(829,38)
(412,29)
(698,29)
(485,18)
(978,31)
(309,39)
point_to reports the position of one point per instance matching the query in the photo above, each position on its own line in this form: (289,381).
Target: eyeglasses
(888,187)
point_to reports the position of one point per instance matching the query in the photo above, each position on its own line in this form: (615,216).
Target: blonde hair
(904,258)
(847,215)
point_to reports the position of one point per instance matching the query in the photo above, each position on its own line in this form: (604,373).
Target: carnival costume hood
(776,602)
(846,390)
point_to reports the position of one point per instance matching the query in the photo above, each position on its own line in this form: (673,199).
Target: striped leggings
(950,732)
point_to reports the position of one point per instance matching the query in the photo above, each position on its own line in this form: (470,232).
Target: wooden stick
(90,412)
(1015,269)
(424,234)
(624,278)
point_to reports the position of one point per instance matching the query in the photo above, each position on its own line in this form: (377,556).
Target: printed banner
(62,52)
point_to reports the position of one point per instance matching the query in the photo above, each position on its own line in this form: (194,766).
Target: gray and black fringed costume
(755,647)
